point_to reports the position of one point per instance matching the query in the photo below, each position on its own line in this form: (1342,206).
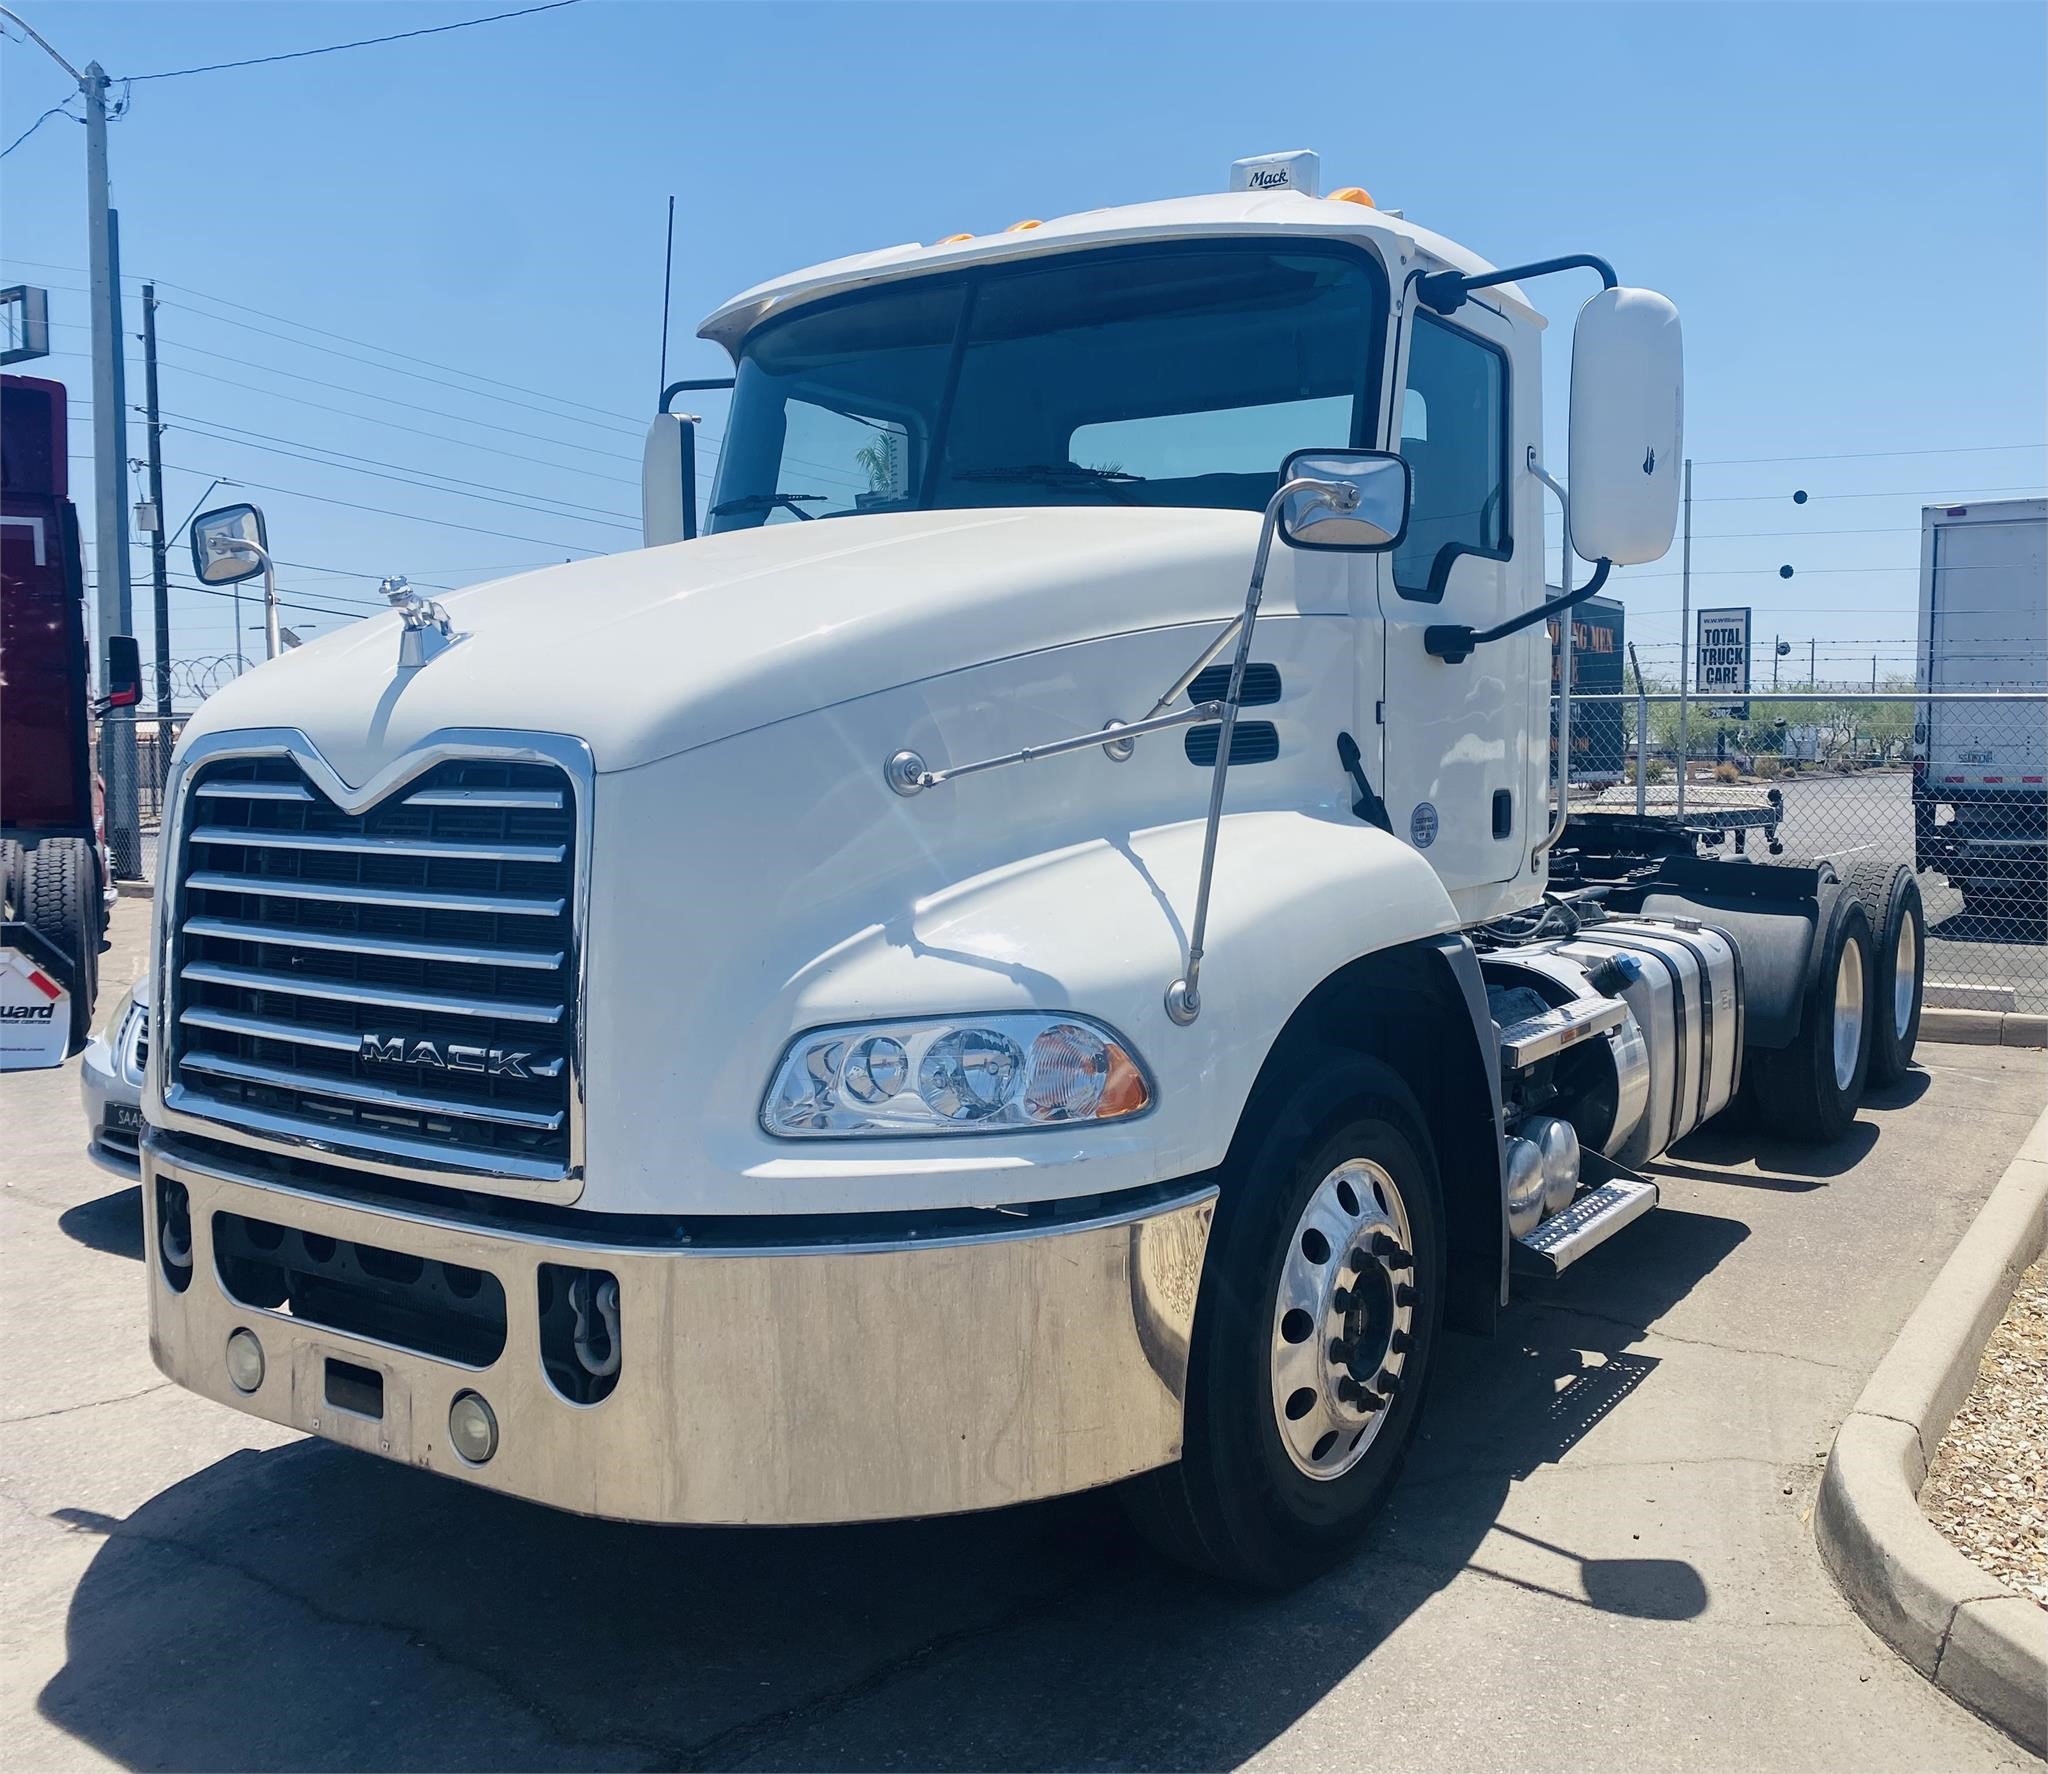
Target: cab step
(1589,1222)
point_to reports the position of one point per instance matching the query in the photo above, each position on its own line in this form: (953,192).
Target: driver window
(1454,428)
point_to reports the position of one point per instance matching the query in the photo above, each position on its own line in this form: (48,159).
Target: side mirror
(1372,520)
(228,545)
(124,673)
(668,481)
(1627,426)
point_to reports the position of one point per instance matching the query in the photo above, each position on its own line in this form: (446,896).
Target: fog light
(472,1428)
(245,1360)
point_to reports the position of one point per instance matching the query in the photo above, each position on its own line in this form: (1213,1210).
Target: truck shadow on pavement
(109,1223)
(307,1607)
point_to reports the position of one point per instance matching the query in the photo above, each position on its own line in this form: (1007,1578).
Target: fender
(1098,928)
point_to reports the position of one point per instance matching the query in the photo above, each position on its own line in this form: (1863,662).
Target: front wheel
(1314,1335)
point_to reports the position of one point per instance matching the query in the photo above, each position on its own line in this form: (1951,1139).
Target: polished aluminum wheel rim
(1905,970)
(1343,1319)
(1848,1013)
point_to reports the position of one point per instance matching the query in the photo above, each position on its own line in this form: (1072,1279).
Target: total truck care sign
(1721,660)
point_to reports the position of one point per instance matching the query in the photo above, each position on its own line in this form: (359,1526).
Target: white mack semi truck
(1034,953)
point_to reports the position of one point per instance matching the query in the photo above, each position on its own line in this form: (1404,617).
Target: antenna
(668,266)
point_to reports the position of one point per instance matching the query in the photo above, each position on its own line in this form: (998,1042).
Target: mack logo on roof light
(454,1056)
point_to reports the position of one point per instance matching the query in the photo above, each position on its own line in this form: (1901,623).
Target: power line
(407,475)
(294,55)
(1864,455)
(410,516)
(611,422)
(299,400)
(324,332)
(53,111)
(1939,495)
(392,369)
(371,345)
(283,601)
(367,394)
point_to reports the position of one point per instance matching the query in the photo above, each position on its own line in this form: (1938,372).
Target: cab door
(1456,737)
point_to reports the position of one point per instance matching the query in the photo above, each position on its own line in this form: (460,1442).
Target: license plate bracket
(320,1406)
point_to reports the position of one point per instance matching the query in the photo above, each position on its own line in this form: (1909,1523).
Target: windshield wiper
(1057,474)
(768,502)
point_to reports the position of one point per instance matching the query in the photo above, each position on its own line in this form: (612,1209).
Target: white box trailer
(1980,775)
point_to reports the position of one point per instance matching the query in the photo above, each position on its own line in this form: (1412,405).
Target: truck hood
(649,653)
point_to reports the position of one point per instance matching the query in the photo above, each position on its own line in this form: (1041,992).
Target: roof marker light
(1022,227)
(1353,194)
(952,239)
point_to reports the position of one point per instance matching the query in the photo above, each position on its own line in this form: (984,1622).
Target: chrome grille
(401,981)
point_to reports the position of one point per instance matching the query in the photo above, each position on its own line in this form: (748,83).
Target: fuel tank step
(1548,1032)
(1588,1223)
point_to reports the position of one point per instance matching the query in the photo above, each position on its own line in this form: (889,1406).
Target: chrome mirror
(228,545)
(1358,500)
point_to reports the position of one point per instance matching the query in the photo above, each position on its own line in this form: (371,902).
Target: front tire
(1315,1333)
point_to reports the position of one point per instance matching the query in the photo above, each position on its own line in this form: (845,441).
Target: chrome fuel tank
(1687,999)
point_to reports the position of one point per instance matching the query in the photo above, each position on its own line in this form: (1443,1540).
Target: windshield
(1151,376)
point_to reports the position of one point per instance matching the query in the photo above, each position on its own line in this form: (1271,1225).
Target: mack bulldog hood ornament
(428,632)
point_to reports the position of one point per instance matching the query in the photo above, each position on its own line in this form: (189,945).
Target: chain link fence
(154,741)
(1954,786)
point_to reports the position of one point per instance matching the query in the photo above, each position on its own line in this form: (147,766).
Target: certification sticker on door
(1422,826)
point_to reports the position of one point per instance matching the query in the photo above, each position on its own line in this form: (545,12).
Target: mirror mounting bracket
(1452,642)
(1444,292)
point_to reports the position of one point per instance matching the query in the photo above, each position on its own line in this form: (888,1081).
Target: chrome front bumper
(836,1382)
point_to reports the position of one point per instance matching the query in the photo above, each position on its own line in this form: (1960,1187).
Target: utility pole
(113,605)
(159,541)
(1777,648)
(1812,671)
(115,597)
(1685,638)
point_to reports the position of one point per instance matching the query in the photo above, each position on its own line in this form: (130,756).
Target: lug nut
(1347,1390)
(1400,1342)
(1358,1262)
(1341,1299)
(1405,1295)
(1388,1249)
(1340,1351)
(1388,1382)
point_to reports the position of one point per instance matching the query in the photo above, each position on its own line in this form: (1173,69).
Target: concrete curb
(1969,1634)
(1984,1028)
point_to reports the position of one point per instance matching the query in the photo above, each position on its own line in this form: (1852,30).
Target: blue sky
(1846,202)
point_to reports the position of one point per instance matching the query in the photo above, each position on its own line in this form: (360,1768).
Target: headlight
(980,1074)
(110,1030)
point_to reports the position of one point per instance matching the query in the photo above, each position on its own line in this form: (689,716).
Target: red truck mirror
(124,674)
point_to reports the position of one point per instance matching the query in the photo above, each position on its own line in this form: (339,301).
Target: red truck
(55,873)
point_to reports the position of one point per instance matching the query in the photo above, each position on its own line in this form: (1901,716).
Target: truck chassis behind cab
(1036,954)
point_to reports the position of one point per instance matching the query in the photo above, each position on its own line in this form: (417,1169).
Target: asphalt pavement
(1602,1551)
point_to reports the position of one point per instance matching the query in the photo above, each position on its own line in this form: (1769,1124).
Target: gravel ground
(1988,1487)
